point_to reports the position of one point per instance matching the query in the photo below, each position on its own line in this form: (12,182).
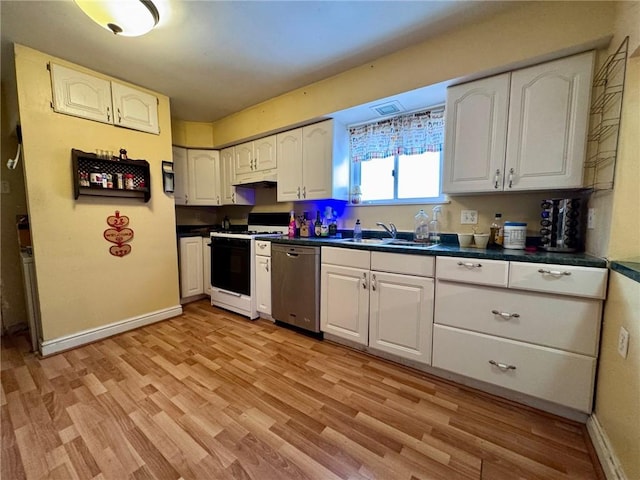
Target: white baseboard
(56,345)
(606,455)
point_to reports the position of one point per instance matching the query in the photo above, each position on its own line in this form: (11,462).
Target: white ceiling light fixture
(129,18)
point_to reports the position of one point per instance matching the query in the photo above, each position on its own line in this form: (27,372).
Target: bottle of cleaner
(496,234)
(292,225)
(435,227)
(421,229)
(357,231)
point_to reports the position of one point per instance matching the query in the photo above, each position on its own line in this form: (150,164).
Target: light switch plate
(623,342)
(469,217)
(591,218)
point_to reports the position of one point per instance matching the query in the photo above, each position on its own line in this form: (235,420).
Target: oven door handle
(233,294)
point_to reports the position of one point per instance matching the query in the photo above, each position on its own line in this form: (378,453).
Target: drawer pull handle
(555,273)
(373,282)
(364,281)
(470,265)
(506,315)
(502,366)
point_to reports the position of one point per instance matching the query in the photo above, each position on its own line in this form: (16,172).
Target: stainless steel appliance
(233,269)
(563,222)
(295,286)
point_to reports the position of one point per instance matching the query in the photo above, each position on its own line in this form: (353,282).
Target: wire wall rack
(606,115)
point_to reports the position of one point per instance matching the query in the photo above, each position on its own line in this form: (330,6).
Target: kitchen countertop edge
(627,268)
(576,259)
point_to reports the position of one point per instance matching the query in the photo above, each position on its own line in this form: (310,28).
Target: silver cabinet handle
(496,179)
(511,178)
(119,116)
(266,266)
(262,245)
(373,282)
(108,114)
(470,265)
(555,273)
(304,192)
(186,198)
(298,193)
(233,197)
(364,281)
(502,366)
(506,315)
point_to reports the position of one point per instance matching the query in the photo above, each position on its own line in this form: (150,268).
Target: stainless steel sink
(369,240)
(388,241)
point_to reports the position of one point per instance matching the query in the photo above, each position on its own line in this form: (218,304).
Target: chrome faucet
(391,229)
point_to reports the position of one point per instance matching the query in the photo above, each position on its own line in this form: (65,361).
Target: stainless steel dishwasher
(295,285)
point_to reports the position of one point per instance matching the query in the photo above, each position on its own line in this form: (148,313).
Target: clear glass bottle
(421,227)
(357,231)
(434,227)
(496,234)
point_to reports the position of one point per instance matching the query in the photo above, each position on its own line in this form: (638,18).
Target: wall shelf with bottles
(109,177)
(606,113)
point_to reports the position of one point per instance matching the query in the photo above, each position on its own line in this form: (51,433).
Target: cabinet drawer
(263,247)
(559,279)
(566,323)
(346,257)
(560,377)
(402,263)
(473,270)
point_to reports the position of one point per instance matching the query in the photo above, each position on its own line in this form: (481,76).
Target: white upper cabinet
(181,179)
(255,156)
(134,109)
(476,135)
(82,95)
(204,177)
(525,130)
(548,124)
(289,152)
(232,195)
(318,168)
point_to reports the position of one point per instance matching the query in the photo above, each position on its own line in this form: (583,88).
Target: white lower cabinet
(538,334)
(383,309)
(191,267)
(263,277)
(206,265)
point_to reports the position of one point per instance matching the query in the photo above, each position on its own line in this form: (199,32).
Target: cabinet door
(263,284)
(191,267)
(264,150)
(134,109)
(81,95)
(204,177)
(181,176)
(475,135)
(401,315)
(344,303)
(548,121)
(206,265)
(244,158)
(289,153)
(232,195)
(317,161)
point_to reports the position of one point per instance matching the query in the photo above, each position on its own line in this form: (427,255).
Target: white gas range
(233,269)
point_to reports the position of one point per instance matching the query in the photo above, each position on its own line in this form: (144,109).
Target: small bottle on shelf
(317,226)
(357,231)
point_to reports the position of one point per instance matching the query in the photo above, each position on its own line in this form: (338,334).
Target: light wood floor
(211,395)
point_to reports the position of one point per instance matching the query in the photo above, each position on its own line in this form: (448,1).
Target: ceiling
(215,58)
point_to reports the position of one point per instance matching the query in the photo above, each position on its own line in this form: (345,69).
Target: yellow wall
(81,286)
(617,405)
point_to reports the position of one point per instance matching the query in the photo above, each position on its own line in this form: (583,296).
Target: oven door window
(230,264)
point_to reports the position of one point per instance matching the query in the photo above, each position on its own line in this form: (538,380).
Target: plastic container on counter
(515,235)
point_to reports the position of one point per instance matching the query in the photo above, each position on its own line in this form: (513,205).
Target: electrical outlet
(623,342)
(469,217)
(591,218)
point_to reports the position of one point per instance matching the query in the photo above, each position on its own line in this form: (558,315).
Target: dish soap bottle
(357,231)
(292,225)
(421,229)
(434,227)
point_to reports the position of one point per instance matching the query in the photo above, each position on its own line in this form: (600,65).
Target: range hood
(268,178)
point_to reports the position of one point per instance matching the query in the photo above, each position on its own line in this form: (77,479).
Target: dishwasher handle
(292,255)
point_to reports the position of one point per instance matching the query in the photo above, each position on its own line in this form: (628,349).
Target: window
(398,160)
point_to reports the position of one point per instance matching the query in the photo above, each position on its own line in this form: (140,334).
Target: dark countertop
(628,268)
(450,250)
